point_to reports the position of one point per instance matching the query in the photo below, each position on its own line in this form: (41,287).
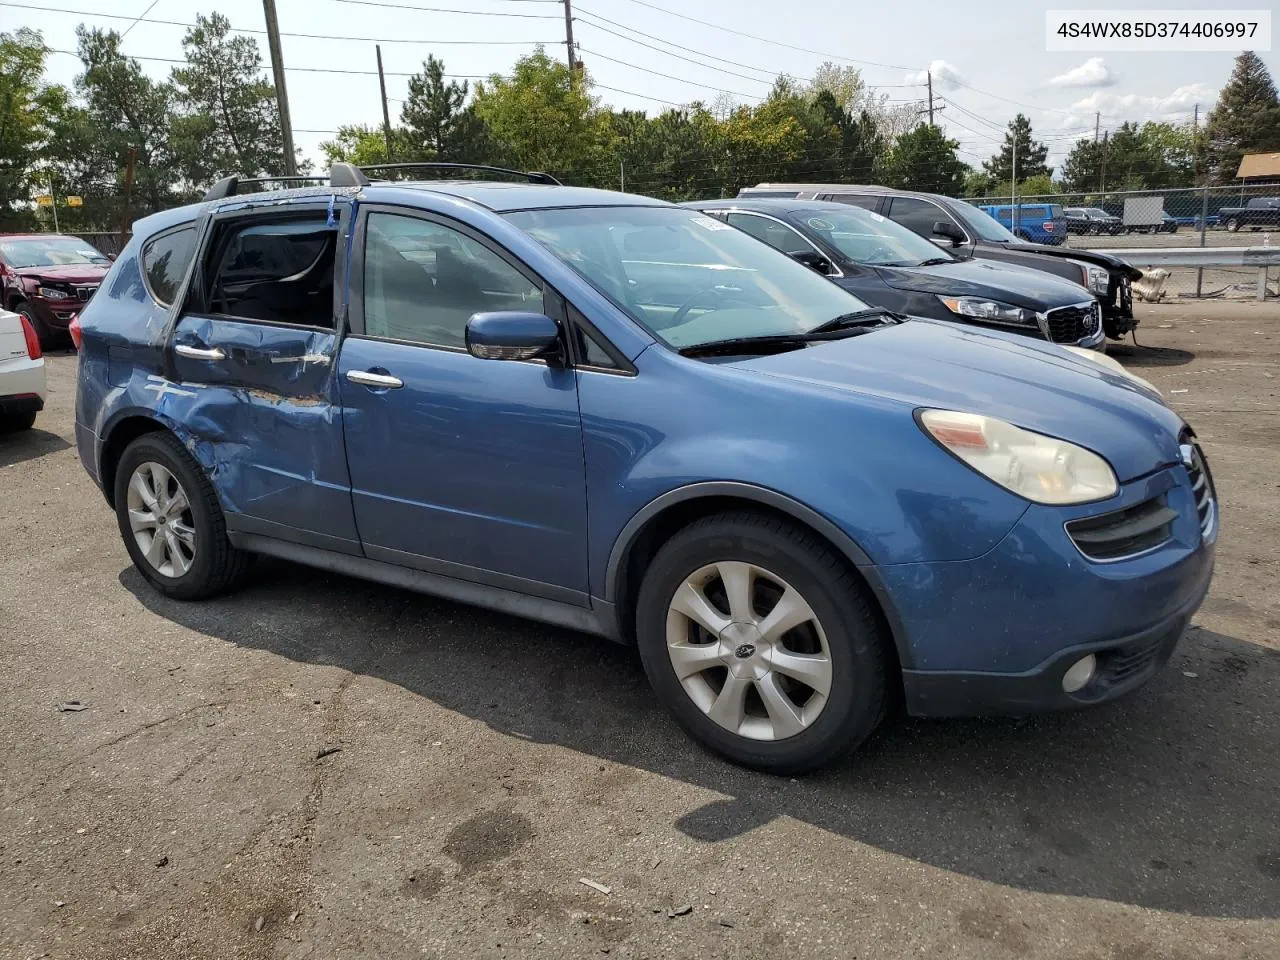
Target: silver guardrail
(1201,257)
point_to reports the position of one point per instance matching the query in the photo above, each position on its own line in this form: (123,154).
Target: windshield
(866,237)
(1097,212)
(687,277)
(982,224)
(49,252)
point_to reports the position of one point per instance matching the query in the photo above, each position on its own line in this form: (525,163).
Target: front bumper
(56,315)
(995,634)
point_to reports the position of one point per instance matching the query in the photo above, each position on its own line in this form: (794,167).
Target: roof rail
(230,186)
(347,175)
(531,176)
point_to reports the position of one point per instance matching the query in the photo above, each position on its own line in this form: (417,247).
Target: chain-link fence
(1122,221)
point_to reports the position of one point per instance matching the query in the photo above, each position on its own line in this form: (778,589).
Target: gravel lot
(487,764)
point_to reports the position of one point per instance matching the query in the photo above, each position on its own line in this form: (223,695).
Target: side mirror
(512,335)
(813,260)
(111,257)
(948,231)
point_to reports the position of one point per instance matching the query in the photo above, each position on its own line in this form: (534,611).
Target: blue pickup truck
(1036,222)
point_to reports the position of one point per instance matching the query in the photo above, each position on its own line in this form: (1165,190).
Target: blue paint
(526,473)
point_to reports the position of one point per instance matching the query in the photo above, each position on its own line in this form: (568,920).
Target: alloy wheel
(161,520)
(749,650)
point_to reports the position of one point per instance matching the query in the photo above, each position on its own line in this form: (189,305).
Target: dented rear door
(253,363)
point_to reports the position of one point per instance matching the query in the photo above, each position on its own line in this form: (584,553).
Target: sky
(987,59)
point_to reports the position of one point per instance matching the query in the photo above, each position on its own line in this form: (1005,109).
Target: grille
(1123,533)
(1122,665)
(84,293)
(1201,481)
(1126,295)
(1071,324)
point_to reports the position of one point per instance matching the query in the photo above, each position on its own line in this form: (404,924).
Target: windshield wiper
(935,261)
(837,328)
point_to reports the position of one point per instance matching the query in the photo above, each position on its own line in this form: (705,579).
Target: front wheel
(171,521)
(760,641)
(1232,225)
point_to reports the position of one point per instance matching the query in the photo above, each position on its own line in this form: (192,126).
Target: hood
(1037,386)
(67,273)
(1009,283)
(1075,253)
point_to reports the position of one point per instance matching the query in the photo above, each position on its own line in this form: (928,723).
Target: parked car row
(1259,212)
(48,278)
(637,419)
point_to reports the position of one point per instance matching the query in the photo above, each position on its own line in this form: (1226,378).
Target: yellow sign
(44,200)
(75,201)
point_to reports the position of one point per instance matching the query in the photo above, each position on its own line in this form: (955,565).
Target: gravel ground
(487,764)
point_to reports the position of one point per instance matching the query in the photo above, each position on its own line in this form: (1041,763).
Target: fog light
(1080,673)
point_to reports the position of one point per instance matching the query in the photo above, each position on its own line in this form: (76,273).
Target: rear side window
(275,272)
(864,200)
(165,260)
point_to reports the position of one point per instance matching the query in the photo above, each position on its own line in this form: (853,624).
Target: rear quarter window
(165,260)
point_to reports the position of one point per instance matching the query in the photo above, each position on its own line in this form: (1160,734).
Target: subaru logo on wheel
(744,650)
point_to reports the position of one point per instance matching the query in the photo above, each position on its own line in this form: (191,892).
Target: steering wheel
(682,311)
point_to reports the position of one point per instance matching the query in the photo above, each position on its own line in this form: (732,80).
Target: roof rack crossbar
(533,176)
(230,186)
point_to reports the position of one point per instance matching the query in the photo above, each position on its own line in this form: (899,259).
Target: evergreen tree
(1246,118)
(924,159)
(1030,154)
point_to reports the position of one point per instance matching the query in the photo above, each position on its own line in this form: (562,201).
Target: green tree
(125,114)
(1246,118)
(924,159)
(544,118)
(30,109)
(1030,154)
(228,122)
(364,146)
(438,122)
(1082,168)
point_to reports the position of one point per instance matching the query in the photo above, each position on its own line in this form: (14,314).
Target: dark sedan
(888,265)
(1092,220)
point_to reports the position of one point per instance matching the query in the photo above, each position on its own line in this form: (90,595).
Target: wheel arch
(664,516)
(121,431)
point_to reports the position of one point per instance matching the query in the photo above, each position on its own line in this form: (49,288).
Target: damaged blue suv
(617,415)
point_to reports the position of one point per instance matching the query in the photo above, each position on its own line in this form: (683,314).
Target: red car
(48,278)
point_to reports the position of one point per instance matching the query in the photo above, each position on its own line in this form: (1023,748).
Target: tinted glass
(866,237)
(49,252)
(687,277)
(775,234)
(165,261)
(980,223)
(918,216)
(423,281)
(864,200)
(278,272)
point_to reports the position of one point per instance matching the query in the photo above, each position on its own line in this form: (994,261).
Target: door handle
(197,353)
(382,381)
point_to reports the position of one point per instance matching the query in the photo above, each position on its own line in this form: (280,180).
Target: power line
(472,13)
(306,36)
(657,73)
(362,73)
(776,43)
(150,6)
(669,43)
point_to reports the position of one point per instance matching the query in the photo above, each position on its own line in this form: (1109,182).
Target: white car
(22,384)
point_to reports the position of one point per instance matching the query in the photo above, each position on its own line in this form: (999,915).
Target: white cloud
(1116,108)
(945,76)
(1094,72)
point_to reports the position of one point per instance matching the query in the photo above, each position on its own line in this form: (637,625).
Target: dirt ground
(487,764)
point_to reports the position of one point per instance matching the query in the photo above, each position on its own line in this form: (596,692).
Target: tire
(16,423)
(840,627)
(1094,229)
(1232,224)
(211,565)
(43,333)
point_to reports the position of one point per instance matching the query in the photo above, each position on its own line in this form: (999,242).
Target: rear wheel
(171,521)
(1232,224)
(759,640)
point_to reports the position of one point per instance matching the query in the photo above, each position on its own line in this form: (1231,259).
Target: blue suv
(621,416)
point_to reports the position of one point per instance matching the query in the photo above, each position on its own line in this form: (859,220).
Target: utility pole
(282,95)
(386,117)
(1013,188)
(126,211)
(1102,171)
(929,75)
(1097,124)
(622,178)
(54,197)
(568,35)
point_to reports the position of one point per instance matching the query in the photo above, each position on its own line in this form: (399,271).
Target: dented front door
(263,415)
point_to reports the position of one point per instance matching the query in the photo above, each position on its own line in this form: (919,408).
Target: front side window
(278,272)
(687,277)
(50,252)
(424,280)
(165,260)
(918,216)
(775,234)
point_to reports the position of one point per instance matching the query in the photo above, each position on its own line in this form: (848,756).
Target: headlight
(992,310)
(1042,469)
(1111,364)
(49,293)
(1097,279)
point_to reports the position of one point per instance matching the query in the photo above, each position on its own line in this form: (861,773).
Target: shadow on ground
(28,445)
(1133,355)
(1165,800)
